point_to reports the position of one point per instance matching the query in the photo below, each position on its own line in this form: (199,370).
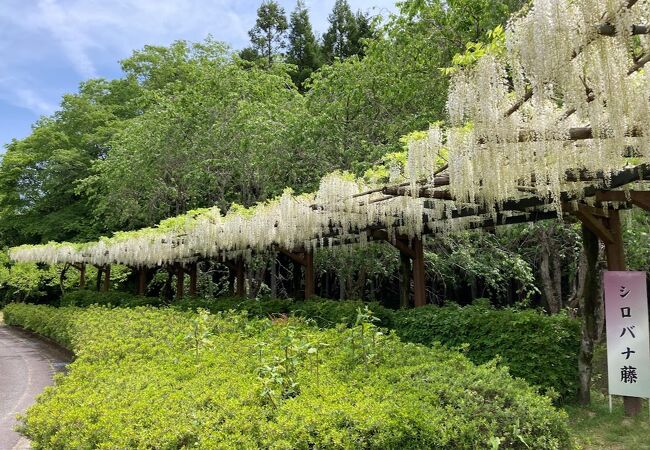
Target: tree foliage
(303,50)
(267,36)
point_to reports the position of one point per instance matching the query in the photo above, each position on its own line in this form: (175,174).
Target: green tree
(226,137)
(39,174)
(360,107)
(364,30)
(267,36)
(303,51)
(339,40)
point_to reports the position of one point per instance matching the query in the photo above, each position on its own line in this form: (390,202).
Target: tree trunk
(590,300)
(548,284)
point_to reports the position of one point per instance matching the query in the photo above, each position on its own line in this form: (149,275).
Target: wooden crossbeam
(638,198)
(296,256)
(401,243)
(306,260)
(594,224)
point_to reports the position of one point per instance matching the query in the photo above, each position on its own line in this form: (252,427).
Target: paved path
(27,365)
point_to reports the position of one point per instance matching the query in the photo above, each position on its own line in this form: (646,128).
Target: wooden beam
(297,257)
(638,198)
(594,224)
(400,243)
(598,212)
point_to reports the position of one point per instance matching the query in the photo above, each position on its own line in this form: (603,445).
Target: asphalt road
(27,365)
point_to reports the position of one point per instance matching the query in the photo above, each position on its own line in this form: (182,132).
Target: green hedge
(540,348)
(163,378)
(87,297)
(324,312)
(54,323)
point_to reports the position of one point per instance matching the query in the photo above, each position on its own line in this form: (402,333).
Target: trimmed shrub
(162,378)
(324,312)
(87,297)
(54,323)
(540,348)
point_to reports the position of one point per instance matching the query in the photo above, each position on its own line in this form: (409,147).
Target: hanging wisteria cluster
(567,93)
(328,217)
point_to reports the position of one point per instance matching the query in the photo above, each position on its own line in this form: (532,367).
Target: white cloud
(17,92)
(48,46)
(74,41)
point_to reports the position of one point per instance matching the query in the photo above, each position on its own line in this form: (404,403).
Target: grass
(595,428)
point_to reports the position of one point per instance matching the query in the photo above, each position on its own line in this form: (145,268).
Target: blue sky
(48,46)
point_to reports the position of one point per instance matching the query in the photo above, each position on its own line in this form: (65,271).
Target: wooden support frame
(306,260)
(637,198)
(595,224)
(107,278)
(180,281)
(142,281)
(82,274)
(412,249)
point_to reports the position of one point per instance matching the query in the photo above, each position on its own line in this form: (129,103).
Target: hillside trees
(344,37)
(223,139)
(192,125)
(303,49)
(39,174)
(267,36)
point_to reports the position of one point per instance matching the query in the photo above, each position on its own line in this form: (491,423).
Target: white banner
(628,334)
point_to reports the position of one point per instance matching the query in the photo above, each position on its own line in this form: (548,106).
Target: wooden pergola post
(240,288)
(306,260)
(419,279)
(107,278)
(82,275)
(608,229)
(192,272)
(411,250)
(180,281)
(142,281)
(616,261)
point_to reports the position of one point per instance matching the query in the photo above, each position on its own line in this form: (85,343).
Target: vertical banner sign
(628,342)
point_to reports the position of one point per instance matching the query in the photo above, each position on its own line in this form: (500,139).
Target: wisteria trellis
(567,99)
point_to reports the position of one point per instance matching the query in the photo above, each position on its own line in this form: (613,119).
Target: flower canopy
(557,110)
